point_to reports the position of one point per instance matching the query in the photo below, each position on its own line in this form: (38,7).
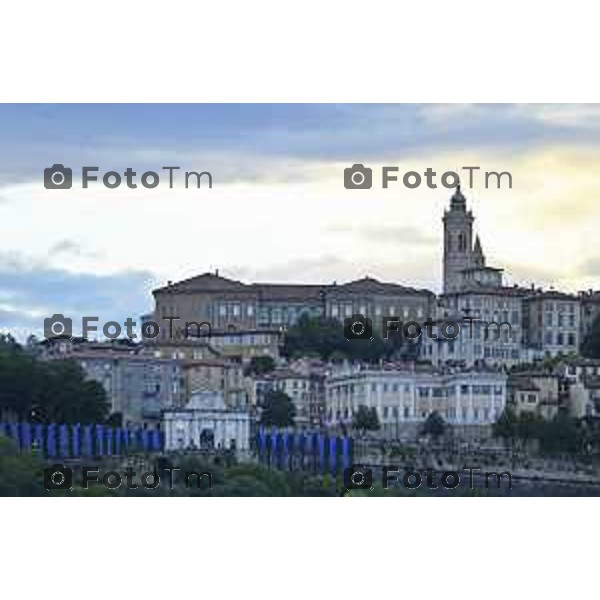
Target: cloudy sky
(278,210)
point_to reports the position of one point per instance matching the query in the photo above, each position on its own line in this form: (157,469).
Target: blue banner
(26,436)
(51,440)
(75,439)
(88,444)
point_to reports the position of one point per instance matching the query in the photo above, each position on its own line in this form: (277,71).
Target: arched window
(462,242)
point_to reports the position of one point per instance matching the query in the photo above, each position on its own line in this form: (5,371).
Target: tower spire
(458,199)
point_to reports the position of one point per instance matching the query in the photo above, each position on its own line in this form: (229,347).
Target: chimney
(216,272)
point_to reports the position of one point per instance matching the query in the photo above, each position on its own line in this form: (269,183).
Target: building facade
(234,308)
(408,396)
(552,321)
(206,423)
(138,386)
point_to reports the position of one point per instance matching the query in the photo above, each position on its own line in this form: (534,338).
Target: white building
(491,328)
(409,396)
(206,423)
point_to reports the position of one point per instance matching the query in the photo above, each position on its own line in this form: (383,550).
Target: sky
(278,210)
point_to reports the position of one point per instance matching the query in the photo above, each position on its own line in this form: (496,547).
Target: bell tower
(458,241)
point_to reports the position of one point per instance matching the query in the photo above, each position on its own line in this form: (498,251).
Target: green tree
(434,425)
(278,410)
(506,426)
(259,365)
(46,391)
(366,419)
(324,337)
(21,474)
(562,435)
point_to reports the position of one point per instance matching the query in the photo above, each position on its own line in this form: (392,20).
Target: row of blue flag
(281,446)
(64,441)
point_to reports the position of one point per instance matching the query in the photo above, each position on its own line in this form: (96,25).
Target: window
(250,310)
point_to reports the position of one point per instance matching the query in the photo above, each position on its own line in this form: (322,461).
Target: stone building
(535,392)
(491,327)
(590,309)
(306,389)
(237,309)
(406,396)
(552,321)
(138,386)
(464,261)
(582,386)
(206,423)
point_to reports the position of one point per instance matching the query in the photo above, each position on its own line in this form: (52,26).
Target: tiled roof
(209,282)
(368,285)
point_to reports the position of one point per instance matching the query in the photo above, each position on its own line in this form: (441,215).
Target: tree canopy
(48,391)
(434,424)
(278,410)
(259,365)
(365,419)
(324,338)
